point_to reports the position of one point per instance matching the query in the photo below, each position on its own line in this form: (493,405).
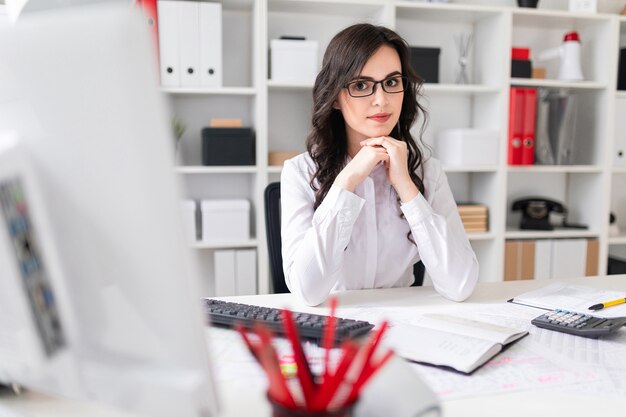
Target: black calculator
(578,324)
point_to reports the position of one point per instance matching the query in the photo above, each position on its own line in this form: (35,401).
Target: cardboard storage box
(225,220)
(293,60)
(461,147)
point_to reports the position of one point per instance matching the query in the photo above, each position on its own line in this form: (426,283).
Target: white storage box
(225,220)
(293,60)
(464,147)
(188,210)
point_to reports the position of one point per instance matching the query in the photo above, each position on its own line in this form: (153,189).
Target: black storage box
(521,68)
(425,62)
(621,70)
(227,146)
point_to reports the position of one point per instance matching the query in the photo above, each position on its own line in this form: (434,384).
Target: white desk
(421,299)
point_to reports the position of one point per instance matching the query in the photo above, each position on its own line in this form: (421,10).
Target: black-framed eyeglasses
(392,85)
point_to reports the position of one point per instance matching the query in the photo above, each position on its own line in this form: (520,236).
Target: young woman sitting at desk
(363,204)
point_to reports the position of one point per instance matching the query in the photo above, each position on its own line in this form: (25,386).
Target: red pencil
(371,347)
(278,389)
(329,335)
(365,376)
(331,384)
(304,372)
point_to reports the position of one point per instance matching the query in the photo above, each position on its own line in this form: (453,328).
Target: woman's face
(377,114)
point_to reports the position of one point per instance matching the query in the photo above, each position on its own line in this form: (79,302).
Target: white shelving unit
(280,112)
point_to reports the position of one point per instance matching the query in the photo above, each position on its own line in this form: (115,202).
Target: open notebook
(451,341)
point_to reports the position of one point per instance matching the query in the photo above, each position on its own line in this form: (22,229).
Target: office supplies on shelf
(451,341)
(211,73)
(310,326)
(522,109)
(536,213)
(293,60)
(228,146)
(190,43)
(521,66)
(222,122)
(467,146)
(474,216)
(225,220)
(569,53)
(331,392)
(578,324)
(556,127)
(575,298)
(550,258)
(528,126)
(606,304)
(463,42)
(425,62)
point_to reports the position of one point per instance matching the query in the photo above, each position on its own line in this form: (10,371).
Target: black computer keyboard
(310,326)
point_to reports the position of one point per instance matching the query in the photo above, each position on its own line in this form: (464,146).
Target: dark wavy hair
(344,59)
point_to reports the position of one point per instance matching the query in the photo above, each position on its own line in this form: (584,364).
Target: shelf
(620,95)
(216,169)
(273,169)
(460,89)
(549,234)
(480,235)
(618,240)
(553,19)
(445,12)
(289,86)
(221,91)
(619,170)
(557,169)
(479,168)
(252,243)
(574,85)
(351,8)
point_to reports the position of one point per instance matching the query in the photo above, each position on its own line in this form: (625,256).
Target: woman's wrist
(345,181)
(407,191)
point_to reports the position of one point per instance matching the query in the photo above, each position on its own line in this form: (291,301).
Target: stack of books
(474,217)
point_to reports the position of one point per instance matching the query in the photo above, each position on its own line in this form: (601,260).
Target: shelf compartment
(438,26)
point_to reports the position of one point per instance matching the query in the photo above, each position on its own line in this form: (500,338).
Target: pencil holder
(279,410)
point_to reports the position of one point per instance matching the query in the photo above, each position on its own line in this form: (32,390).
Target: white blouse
(360,240)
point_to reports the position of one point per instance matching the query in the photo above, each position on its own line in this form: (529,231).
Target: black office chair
(274,241)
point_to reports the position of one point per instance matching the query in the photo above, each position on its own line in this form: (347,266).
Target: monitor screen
(109,309)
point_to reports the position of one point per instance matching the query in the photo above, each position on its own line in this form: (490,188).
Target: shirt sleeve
(441,240)
(313,242)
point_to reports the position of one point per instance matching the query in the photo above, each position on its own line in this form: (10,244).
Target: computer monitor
(98,288)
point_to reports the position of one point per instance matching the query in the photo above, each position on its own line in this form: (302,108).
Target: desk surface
(420,299)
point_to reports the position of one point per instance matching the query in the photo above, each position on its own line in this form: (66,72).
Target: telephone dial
(536,213)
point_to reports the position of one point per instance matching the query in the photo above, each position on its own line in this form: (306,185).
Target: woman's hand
(360,166)
(397,165)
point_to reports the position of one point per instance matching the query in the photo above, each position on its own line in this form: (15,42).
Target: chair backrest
(274,241)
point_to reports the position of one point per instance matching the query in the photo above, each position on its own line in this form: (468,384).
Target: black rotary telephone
(536,214)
